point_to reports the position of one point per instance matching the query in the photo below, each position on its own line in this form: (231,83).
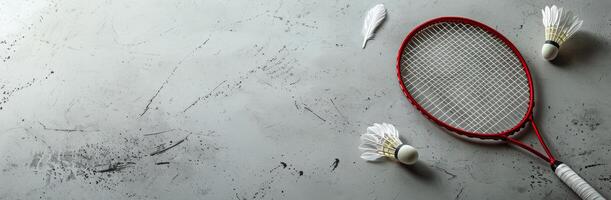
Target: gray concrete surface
(267,99)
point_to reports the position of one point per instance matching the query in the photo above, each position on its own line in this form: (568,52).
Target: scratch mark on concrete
(200,46)
(593,165)
(337,109)
(452,176)
(118,166)
(159,132)
(296,106)
(319,117)
(168,148)
(586,153)
(172,74)
(158,90)
(174,178)
(201,97)
(268,84)
(60,129)
(459,193)
(297,81)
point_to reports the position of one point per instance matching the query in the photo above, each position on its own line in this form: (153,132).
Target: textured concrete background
(266,100)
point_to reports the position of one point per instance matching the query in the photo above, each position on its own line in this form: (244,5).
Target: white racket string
(465,77)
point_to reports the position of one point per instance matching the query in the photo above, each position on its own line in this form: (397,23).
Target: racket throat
(551,160)
(529,148)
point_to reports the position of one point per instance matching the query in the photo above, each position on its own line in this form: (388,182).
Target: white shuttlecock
(560,25)
(382,140)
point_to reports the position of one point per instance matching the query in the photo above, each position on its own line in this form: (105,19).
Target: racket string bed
(483,109)
(456,95)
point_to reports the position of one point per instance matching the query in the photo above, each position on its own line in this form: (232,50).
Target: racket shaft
(576,183)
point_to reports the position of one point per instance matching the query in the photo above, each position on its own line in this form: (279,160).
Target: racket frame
(565,173)
(504,135)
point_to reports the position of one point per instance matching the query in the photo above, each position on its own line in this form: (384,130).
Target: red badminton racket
(471,80)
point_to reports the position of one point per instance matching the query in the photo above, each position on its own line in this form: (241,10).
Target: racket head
(407,65)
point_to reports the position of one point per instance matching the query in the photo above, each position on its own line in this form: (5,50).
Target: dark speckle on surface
(334,164)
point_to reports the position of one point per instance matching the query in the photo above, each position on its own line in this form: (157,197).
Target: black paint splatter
(334,164)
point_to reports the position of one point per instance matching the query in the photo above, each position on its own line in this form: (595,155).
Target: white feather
(369,139)
(374,18)
(370,156)
(392,131)
(368,147)
(375,131)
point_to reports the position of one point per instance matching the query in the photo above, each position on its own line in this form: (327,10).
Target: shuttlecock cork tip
(406,154)
(549,51)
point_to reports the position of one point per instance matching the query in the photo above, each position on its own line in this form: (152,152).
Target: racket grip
(576,183)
